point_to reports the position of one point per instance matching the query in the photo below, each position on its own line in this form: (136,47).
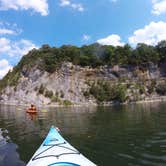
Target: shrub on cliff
(49,94)
(41,89)
(161,88)
(105,92)
(67,103)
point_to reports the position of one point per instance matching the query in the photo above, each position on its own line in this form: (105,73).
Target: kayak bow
(56,151)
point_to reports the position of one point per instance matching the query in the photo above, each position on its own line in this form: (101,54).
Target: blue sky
(27,24)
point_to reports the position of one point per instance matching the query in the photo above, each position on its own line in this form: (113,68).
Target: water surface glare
(132,135)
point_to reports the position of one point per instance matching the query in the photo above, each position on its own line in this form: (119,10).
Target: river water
(132,135)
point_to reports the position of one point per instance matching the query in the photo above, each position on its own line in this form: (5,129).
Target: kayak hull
(31,112)
(56,151)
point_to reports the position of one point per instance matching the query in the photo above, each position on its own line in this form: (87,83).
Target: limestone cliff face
(68,84)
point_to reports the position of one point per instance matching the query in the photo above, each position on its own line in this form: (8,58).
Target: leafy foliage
(104,91)
(161,88)
(41,89)
(49,94)
(67,103)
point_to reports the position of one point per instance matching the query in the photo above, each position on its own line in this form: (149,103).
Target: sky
(28,24)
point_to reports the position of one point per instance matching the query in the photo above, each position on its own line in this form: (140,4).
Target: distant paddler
(32,109)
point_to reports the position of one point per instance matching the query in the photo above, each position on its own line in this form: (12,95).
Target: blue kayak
(56,151)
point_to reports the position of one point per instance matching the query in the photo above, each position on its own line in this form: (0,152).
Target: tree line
(95,55)
(50,58)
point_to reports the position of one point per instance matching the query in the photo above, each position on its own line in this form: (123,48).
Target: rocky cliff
(71,84)
(88,75)
(40,87)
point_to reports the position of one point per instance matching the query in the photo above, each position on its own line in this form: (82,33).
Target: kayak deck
(56,151)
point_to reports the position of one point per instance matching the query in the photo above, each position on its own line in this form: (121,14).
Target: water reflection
(8,153)
(28,131)
(121,135)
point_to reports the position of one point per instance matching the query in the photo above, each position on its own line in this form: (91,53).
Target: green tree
(161,48)
(145,54)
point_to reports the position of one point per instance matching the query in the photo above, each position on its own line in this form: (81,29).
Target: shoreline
(146,100)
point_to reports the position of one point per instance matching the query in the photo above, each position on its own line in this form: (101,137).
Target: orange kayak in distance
(31,111)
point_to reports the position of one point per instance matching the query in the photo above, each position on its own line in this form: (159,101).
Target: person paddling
(33,108)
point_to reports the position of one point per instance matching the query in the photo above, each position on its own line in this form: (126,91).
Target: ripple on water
(154,157)
(152,152)
(162,133)
(127,156)
(8,151)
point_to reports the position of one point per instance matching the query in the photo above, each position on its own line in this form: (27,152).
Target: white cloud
(21,47)
(4,67)
(4,45)
(151,34)
(68,3)
(159,7)
(15,48)
(39,6)
(65,3)
(12,50)
(9,29)
(6,31)
(86,37)
(113,1)
(113,39)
